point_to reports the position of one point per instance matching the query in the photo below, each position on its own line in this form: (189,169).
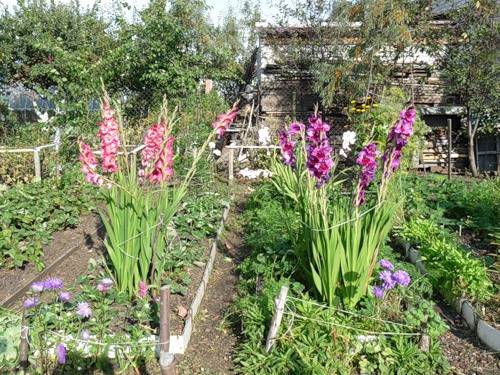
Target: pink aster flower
(143,289)
(89,165)
(84,310)
(110,138)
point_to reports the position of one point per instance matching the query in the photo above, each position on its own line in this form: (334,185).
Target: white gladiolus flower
(348,139)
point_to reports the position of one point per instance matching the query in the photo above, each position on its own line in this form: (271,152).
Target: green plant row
(451,268)
(313,345)
(30,213)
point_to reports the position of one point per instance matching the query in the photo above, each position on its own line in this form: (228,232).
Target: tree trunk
(471,146)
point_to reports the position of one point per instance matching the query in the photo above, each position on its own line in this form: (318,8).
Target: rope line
(298,316)
(342,223)
(100,343)
(349,312)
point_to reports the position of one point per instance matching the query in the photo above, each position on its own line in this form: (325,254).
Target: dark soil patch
(86,240)
(214,339)
(465,353)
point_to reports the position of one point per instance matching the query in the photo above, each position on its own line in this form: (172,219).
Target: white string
(345,222)
(100,343)
(291,313)
(349,312)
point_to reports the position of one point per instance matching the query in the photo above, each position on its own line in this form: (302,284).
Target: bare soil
(87,241)
(465,353)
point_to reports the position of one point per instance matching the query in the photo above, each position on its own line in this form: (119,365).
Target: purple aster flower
(61,354)
(386,277)
(38,286)
(53,283)
(401,278)
(85,334)
(84,310)
(378,292)
(385,264)
(64,296)
(31,302)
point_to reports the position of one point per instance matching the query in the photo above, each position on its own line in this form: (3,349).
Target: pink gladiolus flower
(143,289)
(224,121)
(319,151)
(89,165)
(153,142)
(163,167)
(110,139)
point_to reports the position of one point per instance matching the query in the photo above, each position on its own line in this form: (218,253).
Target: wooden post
(24,347)
(449,149)
(231,164)
(38,168)
(276,321)
(167,359)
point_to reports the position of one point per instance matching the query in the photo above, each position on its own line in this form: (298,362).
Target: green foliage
(29,214)
(372,122)
(348,61)
(451,268)
(470,64)
(473,204)
(313,344)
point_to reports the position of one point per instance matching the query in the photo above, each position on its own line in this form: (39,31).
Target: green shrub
(452,269)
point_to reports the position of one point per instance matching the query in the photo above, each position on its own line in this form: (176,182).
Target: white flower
(217,152)
(264,136)
(211,145)
(348,139)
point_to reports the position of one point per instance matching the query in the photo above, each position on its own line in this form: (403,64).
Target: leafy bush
(30,213)
(473,204)
(452,269)
(314,343)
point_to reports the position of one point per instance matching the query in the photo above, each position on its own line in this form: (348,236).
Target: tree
(471,69)
(353,48)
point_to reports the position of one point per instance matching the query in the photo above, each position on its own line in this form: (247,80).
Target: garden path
(214,340)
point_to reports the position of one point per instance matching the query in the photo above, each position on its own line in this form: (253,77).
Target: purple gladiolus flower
(61,354)
(53,283)
(84,310)
(38,286)
(287,149)
(64,296)
(295,128)
(401,278)
(319,151)
(85,335)
(385,264)
(378,292)
(31,302)
(367,159)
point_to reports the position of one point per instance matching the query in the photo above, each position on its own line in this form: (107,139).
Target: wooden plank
(277,316)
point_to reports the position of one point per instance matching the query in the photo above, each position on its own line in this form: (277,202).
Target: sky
(219,7)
